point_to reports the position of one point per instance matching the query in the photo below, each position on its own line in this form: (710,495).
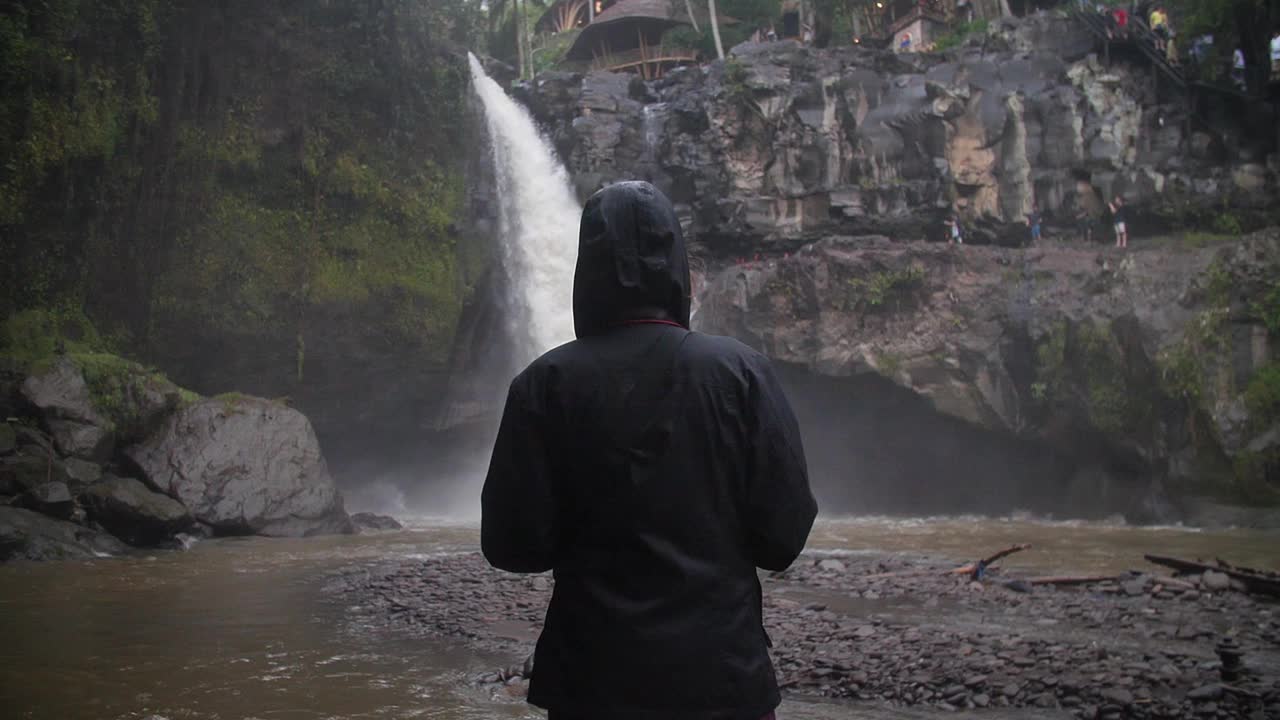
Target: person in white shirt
(1237,68)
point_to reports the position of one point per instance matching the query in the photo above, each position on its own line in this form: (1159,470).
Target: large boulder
(244,466)
(20,473)
(134,513)
(370,522)
(25,535)
(52,498)
(62,397)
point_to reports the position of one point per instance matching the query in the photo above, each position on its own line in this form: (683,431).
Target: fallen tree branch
(1072,579)
(988,562)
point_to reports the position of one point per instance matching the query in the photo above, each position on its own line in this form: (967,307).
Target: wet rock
(1021,586)
(26,535)
(1118,696)
(53,499)
(81,472)
(1215,581)
(8,438)
(20,473)
(369,522)
(66,406)
(132,512)
(1134,587)
(1205,693)
(244,466)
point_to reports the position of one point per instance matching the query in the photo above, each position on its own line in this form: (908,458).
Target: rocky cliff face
(781,143)
(1065,377)
(1124,373)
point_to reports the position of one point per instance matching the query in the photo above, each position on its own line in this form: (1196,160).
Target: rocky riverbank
(98,454)
(904,630)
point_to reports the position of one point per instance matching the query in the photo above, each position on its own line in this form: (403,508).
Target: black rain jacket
(653,469)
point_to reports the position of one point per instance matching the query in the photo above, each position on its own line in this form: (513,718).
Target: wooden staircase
(1138,36)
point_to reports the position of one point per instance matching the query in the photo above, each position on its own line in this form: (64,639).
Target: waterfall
(538,224)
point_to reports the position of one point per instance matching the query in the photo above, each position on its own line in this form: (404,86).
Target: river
(240,628)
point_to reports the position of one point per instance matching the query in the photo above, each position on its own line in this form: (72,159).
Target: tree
(1244,24)
(715,28)
(688,8)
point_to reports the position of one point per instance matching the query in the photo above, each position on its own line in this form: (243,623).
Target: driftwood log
(1257,581)
(1073,579)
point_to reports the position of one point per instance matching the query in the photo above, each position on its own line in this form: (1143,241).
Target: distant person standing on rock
(1121,17)
(955,236)
(652,469)
(1084,224)
(1117,217)
(1160,26)
(1033,222)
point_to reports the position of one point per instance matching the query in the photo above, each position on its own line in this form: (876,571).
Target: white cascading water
(538,222)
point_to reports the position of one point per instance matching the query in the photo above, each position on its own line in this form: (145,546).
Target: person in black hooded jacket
(653,469)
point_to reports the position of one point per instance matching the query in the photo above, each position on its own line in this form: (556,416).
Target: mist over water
(538,224)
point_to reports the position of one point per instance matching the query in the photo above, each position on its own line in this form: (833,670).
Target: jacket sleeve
(517,508)
(780,505)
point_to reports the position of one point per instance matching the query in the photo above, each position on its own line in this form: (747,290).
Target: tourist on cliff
(1033,221)
(1160,26)
(653,469)
(955,236)
(1238,69)
(1117,217)
(1084,224)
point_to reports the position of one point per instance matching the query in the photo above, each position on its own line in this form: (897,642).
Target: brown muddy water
(239,629)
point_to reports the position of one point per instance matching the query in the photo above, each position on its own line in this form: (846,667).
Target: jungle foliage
(193,175)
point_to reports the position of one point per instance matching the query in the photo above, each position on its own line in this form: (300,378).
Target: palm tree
(715,28)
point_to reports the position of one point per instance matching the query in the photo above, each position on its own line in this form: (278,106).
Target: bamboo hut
(628,36)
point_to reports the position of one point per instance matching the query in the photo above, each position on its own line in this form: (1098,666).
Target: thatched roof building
(565,15)
(628,36)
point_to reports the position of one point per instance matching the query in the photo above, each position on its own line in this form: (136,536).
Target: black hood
(631,260)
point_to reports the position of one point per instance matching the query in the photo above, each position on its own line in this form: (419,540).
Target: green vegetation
(888,363)
(1245,24)
(1228,224)
(186,188)
(960,34)
(750,14)
(880,287)
(1262,396)
(1115,404)
(1186,366)
(34,339)
(735,86)
(1267,309)
(1084,365)
(549,55)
